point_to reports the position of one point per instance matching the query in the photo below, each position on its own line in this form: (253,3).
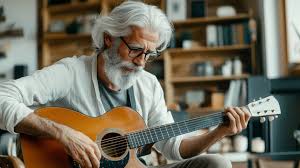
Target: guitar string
(124,143)
(116,152)
(138,136)
(120,138)
(124,140)
(205,118)
(118,149)
(106,141)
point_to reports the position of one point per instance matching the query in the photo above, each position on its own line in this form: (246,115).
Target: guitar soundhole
(114,144)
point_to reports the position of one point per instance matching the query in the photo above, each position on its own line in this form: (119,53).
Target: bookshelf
(232,49)
(211,20)
(215,78)
(66,37)
(180,63)
(74,7)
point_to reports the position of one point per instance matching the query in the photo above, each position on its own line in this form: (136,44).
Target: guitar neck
(155,134)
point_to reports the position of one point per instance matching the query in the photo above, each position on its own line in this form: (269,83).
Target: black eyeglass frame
(147,56)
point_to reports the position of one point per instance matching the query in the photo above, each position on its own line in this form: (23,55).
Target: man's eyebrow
(136,45)
(140,46)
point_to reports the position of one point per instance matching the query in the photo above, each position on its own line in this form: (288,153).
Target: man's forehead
(143,33)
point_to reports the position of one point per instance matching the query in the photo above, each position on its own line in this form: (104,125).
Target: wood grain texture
(48,153)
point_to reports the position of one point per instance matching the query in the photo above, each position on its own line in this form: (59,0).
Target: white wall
(271,37)
(293,40)
(22,50)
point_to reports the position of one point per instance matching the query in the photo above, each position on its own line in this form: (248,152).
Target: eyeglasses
(135,52)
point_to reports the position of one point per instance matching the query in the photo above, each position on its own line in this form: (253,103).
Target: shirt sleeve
(159,116)
(48,84)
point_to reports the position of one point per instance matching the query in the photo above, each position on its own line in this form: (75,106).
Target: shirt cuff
(18,115)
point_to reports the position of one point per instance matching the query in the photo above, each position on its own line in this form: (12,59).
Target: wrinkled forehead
(143,35)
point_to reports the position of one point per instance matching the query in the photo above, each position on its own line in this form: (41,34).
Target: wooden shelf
(74,7)
(230,48)
(64,36)
(207,79)
(12,33)
(211,20)
(2,18)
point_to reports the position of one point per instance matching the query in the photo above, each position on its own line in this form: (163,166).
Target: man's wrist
(219,133)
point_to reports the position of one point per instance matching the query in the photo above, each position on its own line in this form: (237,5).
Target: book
(220,35)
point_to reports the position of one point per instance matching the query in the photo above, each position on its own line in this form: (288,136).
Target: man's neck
(102,75)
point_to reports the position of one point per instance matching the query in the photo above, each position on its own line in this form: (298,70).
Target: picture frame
(290,36)
(176,10)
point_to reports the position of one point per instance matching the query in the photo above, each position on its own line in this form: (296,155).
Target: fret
(162,134)
(186,126)
(151,136)
(167,131)
(179,129)
(136,139)
(173,130)
(129,140)
(155,134)
(142,137)
(146,136)
(139,138)
(132,139)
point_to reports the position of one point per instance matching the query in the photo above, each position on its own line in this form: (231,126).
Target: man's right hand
(80,147)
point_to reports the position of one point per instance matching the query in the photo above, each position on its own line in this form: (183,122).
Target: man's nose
(140,60)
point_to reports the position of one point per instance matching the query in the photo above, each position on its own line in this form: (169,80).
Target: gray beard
(113,67)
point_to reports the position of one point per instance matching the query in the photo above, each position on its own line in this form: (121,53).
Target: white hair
(131,13)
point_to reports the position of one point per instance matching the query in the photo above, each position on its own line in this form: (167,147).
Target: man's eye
(136,52)
(137,49)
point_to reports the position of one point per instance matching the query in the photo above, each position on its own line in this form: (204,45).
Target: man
(130,36)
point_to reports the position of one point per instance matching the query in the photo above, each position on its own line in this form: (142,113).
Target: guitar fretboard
(155,134)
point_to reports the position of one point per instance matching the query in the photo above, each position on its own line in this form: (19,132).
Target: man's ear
(107,40)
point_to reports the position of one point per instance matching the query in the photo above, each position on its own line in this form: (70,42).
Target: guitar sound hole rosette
(113,145)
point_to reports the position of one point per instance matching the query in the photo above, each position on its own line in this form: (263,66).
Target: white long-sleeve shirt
(72,83)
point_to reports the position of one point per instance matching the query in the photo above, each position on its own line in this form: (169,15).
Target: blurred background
(222,53)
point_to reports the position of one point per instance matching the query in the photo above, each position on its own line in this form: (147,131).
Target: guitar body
(48,153)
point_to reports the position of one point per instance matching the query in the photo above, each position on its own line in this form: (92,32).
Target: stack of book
(228,34)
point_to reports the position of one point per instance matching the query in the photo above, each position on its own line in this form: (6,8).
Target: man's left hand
(238,120)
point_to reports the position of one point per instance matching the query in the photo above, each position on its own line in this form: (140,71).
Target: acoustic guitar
(119,134)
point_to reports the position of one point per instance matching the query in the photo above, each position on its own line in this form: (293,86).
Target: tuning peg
(259,98)
(276,116)
(253,100)
(262,119)
(271,118)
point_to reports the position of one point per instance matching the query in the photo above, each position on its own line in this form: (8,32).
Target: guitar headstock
(263,107)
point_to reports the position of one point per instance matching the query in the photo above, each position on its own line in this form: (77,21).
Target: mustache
(130,65)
